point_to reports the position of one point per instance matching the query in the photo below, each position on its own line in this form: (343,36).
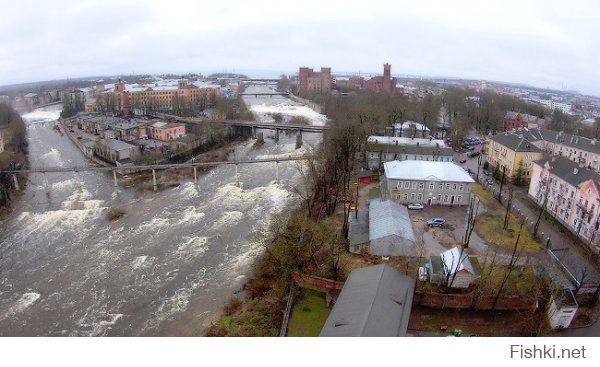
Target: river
(167,267)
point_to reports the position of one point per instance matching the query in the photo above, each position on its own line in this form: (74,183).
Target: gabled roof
(520,140)
(387,219)
(573,141)
(375,301)
(426,171)
(453,261)
(570,171)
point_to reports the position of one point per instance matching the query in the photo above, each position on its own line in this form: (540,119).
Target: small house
(562,309)
(454,268)
(365,176)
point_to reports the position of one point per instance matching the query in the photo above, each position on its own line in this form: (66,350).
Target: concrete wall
(441,193)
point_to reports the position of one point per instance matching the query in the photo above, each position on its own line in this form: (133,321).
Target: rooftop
(391,140)
(570,171)
(520,140)
(426,171)
(388,218)
(375,301)
(116,145)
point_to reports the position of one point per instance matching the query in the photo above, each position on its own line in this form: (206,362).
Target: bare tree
(471,218)
(508,207)
(511,266)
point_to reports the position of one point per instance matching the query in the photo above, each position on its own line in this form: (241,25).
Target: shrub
(232,306)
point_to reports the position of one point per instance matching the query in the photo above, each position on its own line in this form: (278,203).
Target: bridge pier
(115,178)
(195,175)
(45,178)
(299,140)
(16,182)
(253,132)
(237,176)
(277,135)
(155,187)
(277,172)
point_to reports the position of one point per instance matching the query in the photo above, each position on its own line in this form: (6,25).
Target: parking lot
(438,239)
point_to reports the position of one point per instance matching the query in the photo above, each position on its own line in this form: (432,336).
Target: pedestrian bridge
(154,168)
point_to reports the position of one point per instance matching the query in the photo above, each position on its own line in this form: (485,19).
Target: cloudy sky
(543,43)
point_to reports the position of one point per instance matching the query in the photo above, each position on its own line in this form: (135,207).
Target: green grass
(489,226)
(309,314)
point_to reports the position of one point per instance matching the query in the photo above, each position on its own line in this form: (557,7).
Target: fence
(469,301)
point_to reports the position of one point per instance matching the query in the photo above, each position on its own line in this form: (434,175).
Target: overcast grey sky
(542,43)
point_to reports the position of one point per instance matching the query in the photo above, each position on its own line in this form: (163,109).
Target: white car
(415,206)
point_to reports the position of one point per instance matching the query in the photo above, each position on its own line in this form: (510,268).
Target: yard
(489,225)
(309,314)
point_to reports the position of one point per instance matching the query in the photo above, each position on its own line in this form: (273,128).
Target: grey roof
(518,141)
(365,173)
(375,301)
(358,231)
(116,145)
(411,149)
(387,219)
(573,141)
(570,171)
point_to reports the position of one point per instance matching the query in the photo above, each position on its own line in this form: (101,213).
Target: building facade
(430,183)
(516,120)
(382,84)
(578,149)
(571,194)
(165,131)
(513,154)
(310,81)
(381,149)
(113,150)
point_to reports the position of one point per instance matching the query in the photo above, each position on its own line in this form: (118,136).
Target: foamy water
(165,268)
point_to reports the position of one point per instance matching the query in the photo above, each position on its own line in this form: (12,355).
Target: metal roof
(570,171)
(116,145)
(426,171)
(453,261)
(387,219)
(375,301)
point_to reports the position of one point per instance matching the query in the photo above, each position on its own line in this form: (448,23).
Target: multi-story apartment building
(514,151)
(310,81)
(381,149)
(580,150)
(431,183)
(571,194)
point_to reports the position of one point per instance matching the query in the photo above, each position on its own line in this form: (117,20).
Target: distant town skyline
(538,43)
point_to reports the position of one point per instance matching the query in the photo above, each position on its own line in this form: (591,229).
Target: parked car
(486,172)
(436,222)
(422,274)
(474,154)
(462,161)
(415,206)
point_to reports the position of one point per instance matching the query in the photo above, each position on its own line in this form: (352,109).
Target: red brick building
(515,120)
(314,82)
(383,84)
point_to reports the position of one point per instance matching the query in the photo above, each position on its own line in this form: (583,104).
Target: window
(439,198)
(447,186)
(440,186)
(445,198)
(399,184)
(412,196)
(414,185)
(454,187)
(405,197)
(420,198)
(431,186)
(461,187)
(406,184)
(459,199)
(421,185)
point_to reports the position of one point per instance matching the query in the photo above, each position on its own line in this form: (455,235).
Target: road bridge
(260,94)
(153,168)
